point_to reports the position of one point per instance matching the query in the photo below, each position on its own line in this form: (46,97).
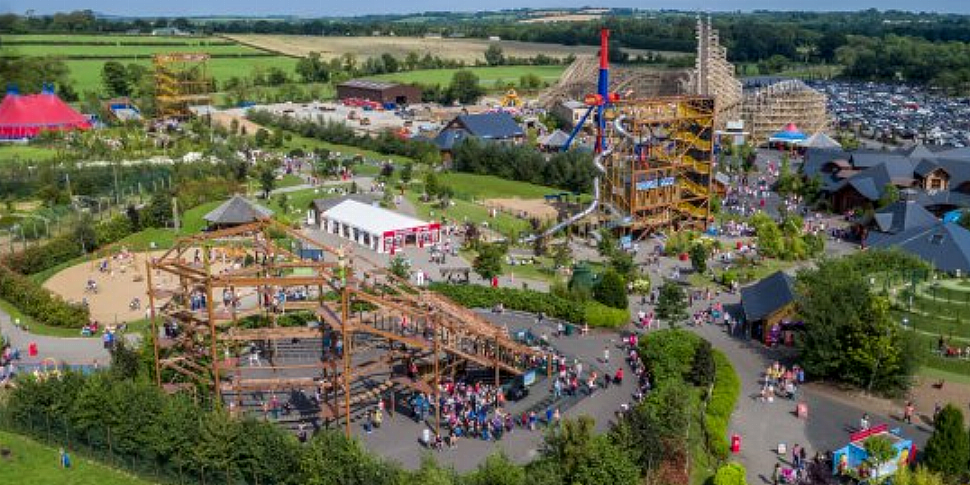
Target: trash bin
(568,330)
(735,443)
(32,349)
(801,410)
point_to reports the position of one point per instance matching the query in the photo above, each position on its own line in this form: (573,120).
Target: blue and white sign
(656,183)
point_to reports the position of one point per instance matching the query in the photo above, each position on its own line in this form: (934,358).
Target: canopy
(791,134)
(27,116)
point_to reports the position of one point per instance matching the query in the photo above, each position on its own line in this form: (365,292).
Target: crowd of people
(779,381)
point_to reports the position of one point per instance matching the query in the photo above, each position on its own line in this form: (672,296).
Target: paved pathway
(78,350)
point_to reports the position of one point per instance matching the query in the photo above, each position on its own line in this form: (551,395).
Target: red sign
(861,435)
(593,100)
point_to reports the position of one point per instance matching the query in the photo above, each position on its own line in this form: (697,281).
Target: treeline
(341,134)
(750,37)
(571,170)
(945,65)
(119,414)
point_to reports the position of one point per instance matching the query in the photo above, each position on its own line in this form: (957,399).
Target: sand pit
(525,208)
(123,280)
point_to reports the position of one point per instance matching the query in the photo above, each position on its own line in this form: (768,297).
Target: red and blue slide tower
(600,100)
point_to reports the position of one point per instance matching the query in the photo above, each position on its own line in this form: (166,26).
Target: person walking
(606,355)
(908,412)
(776,474)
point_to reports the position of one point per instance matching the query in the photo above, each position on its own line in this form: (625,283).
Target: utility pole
(175,212)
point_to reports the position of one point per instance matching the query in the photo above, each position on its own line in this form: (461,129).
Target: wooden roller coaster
(369,329)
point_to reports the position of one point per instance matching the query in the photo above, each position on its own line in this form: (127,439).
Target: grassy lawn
(467,185)
(114,39)
(464,211)
(108,51)
(87,73)
(486,75)
(32,462)
(289,180)
(10,151)
(308,144)
(936,374)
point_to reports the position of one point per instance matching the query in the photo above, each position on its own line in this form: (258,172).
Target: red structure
(26,116)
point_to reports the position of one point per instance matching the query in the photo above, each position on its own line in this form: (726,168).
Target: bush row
(42,305)
(66,247)
(669,355)
(593,313)
(727,388)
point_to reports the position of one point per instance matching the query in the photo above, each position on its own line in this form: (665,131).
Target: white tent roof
(371,219)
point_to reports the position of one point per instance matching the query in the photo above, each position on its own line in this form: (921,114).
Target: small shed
(767,304)
(236,212)
(379,92)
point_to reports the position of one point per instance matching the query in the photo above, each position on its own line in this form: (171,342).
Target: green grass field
(308,144)
(10,152)
(110,51)
(109,39)
(464,211)
(486,75)
(87,73)
(475,186)
(32,462)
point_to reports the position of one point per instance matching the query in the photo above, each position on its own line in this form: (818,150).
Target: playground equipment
(371,331)
(511,99)
(853,459)
(181,82)
(653,158)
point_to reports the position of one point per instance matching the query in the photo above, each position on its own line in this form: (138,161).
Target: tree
(497,470)
(313,69)
(84,234)
(261,137)
(158,213)
(921,475)
(672,304)
(703,367)
(611,290)
(948,449)
(267,177)
(494,56)
(880,450)
(698,257)
(400,267)
(585,458)
(488,263)
(431,186)
(465,88)
(849,333)
(407,172)
(890,195)
(730,474)
(125,361)
(114,77)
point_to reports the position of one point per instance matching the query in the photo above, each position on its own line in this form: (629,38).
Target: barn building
(379,92)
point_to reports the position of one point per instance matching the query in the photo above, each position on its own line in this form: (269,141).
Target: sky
(319,8)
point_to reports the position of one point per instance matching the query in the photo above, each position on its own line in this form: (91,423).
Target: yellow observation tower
(181,82)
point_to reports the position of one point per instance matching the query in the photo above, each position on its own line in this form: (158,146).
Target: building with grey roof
(236,211)
(767,303)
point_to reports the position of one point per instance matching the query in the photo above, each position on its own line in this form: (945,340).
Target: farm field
(486,75)
(120,51)
(87,73)
(112,39)
(468,50)
(32,462)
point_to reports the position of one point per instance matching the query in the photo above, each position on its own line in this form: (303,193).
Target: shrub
(611,290)
(668,354)
(948,450)
(573,311)
(730,474)
(727,388)
(38,303)
(602,316)
(66,247)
